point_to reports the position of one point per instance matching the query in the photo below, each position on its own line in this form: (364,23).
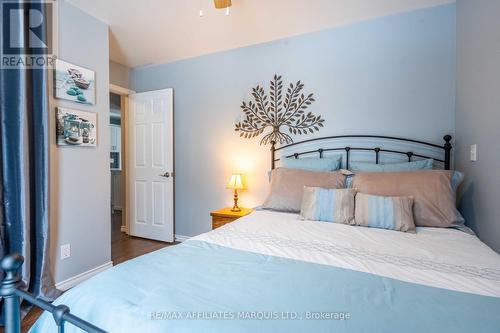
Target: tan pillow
(434,197)
(287,186)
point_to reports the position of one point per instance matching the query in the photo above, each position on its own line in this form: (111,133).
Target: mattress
(272,272)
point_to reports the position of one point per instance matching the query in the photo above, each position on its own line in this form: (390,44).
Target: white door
(150,165)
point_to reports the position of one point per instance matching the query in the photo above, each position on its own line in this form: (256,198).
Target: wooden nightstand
(225,215)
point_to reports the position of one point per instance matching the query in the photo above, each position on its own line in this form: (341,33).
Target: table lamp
(235,183)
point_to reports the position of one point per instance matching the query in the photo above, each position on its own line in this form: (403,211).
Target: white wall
(393,75)
(80,176)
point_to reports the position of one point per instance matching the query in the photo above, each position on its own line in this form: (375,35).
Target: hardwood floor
(123,248)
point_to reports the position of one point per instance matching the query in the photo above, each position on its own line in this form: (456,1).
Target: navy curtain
(24,157)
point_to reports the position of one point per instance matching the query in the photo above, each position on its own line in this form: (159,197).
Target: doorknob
(166,174)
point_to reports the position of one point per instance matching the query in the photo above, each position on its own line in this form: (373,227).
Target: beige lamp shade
(235,183)
(221,4)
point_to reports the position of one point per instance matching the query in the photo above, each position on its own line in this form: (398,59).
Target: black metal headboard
(446,147)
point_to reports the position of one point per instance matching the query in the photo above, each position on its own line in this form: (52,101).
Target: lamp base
(235,207)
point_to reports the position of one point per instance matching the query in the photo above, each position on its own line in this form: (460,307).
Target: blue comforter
(202,287)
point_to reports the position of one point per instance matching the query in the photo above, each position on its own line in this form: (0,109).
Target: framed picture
(74,83)
(76,128)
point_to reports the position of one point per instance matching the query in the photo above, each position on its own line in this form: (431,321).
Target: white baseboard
(77,279)
(123,228)
(180,238)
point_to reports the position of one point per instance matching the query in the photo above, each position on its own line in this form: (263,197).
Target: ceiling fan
(220,4)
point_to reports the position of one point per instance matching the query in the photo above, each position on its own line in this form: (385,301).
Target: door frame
(124,109)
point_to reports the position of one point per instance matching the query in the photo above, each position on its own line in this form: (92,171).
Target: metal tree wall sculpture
(278,113)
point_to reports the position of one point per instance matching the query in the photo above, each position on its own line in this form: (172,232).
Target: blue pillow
(456,179)
(392,167)
(313,163)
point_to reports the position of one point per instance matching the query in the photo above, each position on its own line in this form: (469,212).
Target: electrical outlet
(65,251)
(473,152)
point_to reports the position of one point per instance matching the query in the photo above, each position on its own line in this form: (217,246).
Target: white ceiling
(144,32)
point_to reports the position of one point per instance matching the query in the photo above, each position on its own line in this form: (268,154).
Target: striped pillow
(328,205)
(393,213)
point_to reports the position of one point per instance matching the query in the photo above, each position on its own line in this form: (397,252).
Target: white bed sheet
(438,257)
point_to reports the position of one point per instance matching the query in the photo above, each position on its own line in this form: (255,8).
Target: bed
(271,272)
(274,272)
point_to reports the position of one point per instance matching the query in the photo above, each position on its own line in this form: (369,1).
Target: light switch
(473,152)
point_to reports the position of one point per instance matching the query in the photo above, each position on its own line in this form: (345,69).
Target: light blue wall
(80,177)
(393,75)
(478,114)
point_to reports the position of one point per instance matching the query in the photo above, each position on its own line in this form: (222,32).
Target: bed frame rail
(446,147)
(10,290)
